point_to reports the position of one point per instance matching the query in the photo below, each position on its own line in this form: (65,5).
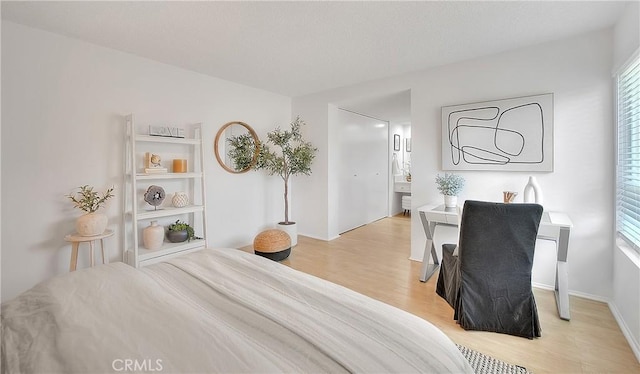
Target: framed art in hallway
(396,142)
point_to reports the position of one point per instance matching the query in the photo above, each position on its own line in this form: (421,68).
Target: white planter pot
(450,201)
(292,230)
(91,224)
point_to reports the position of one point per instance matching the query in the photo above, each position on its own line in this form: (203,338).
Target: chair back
(497,243)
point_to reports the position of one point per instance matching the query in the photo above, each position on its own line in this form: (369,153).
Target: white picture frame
(503,135)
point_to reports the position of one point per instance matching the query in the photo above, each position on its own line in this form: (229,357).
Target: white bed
(217,310)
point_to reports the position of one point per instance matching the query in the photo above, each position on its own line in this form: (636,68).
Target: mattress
(216,310)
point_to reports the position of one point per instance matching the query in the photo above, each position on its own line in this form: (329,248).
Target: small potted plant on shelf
(180,231)
(450,185)
(91,223)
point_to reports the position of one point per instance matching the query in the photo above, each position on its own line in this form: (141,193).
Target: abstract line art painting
(504,135)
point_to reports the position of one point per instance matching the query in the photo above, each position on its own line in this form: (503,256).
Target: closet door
(363,170)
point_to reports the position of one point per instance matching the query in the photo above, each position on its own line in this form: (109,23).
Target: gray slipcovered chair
(486,278)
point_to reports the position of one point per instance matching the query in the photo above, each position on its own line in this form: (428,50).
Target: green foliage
(285,154)
(89,200)
(182,226)
(449,184)
(241,150)
(292,156)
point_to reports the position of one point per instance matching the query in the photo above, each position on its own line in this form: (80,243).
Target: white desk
(554,226)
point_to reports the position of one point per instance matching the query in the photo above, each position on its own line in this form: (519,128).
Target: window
(628,172)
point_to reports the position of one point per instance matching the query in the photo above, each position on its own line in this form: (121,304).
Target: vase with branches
(89,200)
(86,199)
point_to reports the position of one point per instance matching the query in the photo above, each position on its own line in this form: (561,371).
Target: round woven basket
(273,244)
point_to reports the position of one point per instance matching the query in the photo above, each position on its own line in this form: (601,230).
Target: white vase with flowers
(450,185)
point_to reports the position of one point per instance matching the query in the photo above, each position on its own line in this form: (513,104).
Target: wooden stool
(76,239)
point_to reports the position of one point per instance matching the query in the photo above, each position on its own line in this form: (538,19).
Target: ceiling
(302,47)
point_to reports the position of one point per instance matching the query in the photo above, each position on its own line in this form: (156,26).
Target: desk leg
(429,250)
(74,256)
(562,275)
(91,246)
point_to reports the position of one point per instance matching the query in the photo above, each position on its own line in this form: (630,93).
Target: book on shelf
(155,170)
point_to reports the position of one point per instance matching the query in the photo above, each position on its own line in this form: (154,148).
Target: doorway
(362,169)
(394,110)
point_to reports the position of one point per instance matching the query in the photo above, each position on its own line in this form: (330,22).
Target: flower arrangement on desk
(450,185)
(91,223)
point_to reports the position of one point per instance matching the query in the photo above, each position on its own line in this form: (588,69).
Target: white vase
(180,199)
(91,224)
(450,201)
(153,236)
(532,192)
(292,230)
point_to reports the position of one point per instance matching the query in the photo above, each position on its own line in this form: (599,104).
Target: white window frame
(626,228)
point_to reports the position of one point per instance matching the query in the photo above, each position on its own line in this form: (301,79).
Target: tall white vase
(153,236)
(532,192)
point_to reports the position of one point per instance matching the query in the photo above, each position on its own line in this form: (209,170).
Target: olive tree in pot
(292,155)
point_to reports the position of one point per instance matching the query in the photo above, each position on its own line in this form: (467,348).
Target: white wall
(577,71)
(63,103)
(625,302)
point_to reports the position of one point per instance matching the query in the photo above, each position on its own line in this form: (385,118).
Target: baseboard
(589,296)
(572,293)
(542,286)
(319,238)
(633,343)
(635,347)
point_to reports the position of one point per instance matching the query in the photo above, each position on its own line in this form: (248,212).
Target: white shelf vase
(153,236)
(180,200)
(533,192)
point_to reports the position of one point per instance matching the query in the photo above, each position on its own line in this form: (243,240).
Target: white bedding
(218,310)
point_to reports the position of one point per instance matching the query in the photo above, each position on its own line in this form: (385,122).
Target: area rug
(483,364)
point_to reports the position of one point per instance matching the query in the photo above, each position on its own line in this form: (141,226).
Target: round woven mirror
(236,147)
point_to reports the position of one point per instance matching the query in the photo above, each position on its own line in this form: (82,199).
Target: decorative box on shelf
(168,131)
(152,164)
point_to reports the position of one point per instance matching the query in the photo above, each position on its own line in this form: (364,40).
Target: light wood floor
(373,260)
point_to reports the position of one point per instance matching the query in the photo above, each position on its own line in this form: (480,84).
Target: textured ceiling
(296,48)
